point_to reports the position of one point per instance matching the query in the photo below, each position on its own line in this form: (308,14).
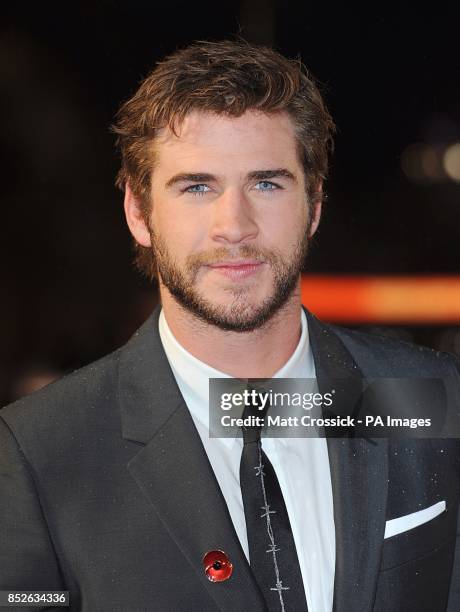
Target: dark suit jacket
(106,491)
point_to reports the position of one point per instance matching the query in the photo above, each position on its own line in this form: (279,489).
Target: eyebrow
(262,175)
(205,177)
(191,177)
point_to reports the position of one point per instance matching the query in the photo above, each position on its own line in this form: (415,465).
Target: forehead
(267,140)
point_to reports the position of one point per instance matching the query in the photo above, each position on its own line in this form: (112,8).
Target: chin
(244,301)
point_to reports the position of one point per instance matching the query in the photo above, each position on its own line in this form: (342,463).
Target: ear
(135,218)
(316,209)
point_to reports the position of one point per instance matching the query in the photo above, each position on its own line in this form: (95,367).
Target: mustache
(206,258)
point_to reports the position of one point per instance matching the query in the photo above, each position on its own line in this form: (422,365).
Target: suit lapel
(173,471)
(359,476)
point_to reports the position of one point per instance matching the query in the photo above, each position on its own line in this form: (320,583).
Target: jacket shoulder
(384,356)
(62,407)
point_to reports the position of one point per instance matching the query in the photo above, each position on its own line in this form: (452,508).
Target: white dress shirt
(301,465)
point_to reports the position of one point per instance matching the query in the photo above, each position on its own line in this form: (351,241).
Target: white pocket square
(409,521)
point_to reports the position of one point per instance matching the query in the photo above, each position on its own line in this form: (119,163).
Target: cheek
(182,234)
(283,229)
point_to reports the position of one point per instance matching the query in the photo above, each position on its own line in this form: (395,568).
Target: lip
(237,269)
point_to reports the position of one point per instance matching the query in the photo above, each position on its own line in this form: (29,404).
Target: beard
(238,314)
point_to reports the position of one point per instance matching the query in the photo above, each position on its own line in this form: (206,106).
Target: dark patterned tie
(272,552)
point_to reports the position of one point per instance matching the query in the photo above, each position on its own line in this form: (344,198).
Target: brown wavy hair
(227,78)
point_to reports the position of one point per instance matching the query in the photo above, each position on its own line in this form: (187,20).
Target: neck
(256,354)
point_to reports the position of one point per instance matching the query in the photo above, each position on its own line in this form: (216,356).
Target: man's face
(229,218)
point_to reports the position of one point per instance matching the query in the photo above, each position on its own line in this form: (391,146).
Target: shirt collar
(192,375)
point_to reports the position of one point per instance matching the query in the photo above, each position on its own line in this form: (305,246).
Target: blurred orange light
(383,299)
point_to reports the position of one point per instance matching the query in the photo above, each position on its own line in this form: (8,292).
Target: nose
(233,218)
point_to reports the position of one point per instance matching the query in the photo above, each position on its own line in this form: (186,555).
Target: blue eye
(266,186)
(199,189)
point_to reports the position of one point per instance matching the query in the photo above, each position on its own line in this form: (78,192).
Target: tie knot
(254,412)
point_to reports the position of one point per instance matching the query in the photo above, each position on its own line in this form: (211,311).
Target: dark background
(391,77)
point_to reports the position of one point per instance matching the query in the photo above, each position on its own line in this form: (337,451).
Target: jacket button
(217,566)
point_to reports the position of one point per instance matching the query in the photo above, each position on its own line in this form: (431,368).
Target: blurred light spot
(390,300)
(452,161)
(422,162)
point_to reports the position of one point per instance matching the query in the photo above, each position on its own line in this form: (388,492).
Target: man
(112,488)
